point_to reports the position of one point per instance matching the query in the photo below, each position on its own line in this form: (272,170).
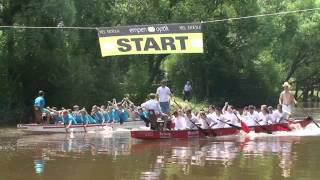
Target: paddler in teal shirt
(68,119)
(86,118)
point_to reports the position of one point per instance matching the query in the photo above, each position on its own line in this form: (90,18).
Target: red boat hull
(185,134)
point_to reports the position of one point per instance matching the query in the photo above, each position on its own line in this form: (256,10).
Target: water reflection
(39,166)
(161,159)
(280,146)
(118,144)
(46,148)
(217,153)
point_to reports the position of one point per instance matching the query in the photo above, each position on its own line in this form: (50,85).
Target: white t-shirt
(219,120)
(231,118)
(205,123)
(193,124)
(251,119)
(264,119)
(272,118)
(163,93)
(180,123)
(187,88)
(152,104)
(277,115)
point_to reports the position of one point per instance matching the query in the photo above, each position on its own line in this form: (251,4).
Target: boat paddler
(67,118)
(191,120)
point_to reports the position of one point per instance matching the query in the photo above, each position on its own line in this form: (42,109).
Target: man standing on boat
(39,104)
(163,92)
(287,99)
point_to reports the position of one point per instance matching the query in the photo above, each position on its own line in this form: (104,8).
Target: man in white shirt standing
(163,92)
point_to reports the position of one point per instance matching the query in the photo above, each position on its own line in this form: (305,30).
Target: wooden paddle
(264,128)
(210,127)
(84,126)
(231,125)
(200,129)
(308,116)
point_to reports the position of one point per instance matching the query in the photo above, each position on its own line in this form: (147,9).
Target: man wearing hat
(287,100)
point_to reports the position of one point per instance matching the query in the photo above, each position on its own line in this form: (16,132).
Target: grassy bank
(196,106)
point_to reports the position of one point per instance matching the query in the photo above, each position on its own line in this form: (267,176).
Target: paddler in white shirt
(264,116)
(191,120)
(219,119)
(152,104)
(228,113)
(211,111)
(252,116)
(271,116)
(179,120)
(205,121)
(278,114)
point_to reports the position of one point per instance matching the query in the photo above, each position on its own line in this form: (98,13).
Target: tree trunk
(305,95)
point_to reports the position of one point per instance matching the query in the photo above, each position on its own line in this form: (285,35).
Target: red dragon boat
(185,134)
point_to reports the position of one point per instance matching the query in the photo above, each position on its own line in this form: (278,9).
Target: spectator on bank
(187,91)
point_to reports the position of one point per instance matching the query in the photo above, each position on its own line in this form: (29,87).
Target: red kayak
(185,134)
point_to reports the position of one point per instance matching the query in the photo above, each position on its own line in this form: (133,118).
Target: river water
(107,155)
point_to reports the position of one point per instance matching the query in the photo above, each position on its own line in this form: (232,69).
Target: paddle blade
(245,127)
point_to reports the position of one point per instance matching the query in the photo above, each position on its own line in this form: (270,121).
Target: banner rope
(60,26)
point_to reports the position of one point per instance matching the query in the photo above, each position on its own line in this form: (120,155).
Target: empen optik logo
(158,29)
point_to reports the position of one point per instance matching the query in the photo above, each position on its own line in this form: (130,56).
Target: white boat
(61,128)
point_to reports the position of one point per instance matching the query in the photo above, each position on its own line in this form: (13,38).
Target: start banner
(151,39)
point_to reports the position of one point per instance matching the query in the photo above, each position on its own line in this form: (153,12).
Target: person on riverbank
(287,100)
(39,106)
(163,92)
(187,91)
